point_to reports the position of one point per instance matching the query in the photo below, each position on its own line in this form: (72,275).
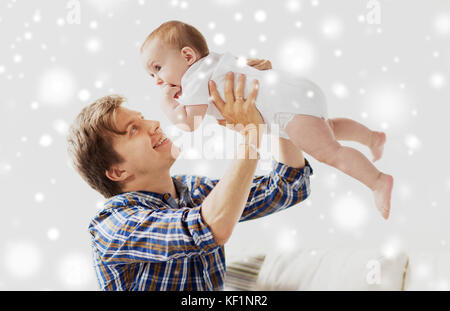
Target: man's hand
(260,64)
(240,114)
(236,109)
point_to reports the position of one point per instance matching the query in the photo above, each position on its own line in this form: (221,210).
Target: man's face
(144,148)
(164,63)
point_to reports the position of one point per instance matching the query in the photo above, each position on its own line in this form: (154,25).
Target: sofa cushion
(333,269)
(428,270)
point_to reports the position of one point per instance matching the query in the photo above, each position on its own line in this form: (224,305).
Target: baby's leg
(347,129)
(314,136)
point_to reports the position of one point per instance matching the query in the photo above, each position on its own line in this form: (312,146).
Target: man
(163,232)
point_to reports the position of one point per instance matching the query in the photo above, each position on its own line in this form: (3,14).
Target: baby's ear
(189,55)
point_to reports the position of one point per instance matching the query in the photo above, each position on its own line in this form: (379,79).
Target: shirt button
(166,196)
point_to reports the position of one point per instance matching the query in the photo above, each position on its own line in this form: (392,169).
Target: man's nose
(152,126)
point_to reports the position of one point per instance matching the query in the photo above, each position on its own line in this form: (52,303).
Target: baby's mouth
(178,94)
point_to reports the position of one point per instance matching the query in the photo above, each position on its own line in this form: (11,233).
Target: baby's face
(166,64)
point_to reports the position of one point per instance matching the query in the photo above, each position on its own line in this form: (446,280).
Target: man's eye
(133,129)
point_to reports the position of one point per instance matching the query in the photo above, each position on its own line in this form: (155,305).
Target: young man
(163,232)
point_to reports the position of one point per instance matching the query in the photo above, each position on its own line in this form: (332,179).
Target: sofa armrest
(242,273)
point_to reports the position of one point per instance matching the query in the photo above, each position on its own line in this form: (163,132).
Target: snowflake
(56,87)
(219,39)
(93,45)
(437,80)
(84,95)
(45,140)
(297,56)
(75,270)
(260,16)
(339,90)
(22,259)
(349,212)
(442,24)
(293,5)
(53,234)
(332,28)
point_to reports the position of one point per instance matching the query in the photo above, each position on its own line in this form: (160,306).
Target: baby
(177,55)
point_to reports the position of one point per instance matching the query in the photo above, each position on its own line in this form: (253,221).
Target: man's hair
(90,144)
(178,34)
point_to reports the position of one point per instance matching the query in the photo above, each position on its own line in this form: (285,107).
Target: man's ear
(116,173)
(189,55)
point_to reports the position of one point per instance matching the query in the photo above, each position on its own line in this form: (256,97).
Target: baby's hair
(178,34)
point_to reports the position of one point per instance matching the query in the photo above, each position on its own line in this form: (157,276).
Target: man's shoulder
(117,211)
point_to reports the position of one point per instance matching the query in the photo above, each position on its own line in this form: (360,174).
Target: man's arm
(290,154)
(224,205)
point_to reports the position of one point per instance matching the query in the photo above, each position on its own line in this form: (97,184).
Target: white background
(391,76)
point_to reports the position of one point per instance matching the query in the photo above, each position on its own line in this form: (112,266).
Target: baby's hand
(171,91)
(260,64)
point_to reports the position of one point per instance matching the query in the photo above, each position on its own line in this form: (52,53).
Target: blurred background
(383,63)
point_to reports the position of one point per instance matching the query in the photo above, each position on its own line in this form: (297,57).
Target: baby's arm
(186,118)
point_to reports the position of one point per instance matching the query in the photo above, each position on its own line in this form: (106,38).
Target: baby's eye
(133,129)
(157,67)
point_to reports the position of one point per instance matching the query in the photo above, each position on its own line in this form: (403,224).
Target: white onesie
(280,96)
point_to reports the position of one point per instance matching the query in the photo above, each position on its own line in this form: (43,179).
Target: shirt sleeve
(283,187)
(152,235)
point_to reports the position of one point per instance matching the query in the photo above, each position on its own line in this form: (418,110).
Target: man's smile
(162,141)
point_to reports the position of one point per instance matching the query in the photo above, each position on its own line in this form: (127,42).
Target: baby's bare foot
(382,194)
(377,145)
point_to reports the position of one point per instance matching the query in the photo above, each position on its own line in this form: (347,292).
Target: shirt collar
(193,69)
(147,198)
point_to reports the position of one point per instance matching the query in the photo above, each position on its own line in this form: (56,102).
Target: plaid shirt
(147,241)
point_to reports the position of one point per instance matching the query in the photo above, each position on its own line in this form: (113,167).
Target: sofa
(339,270)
